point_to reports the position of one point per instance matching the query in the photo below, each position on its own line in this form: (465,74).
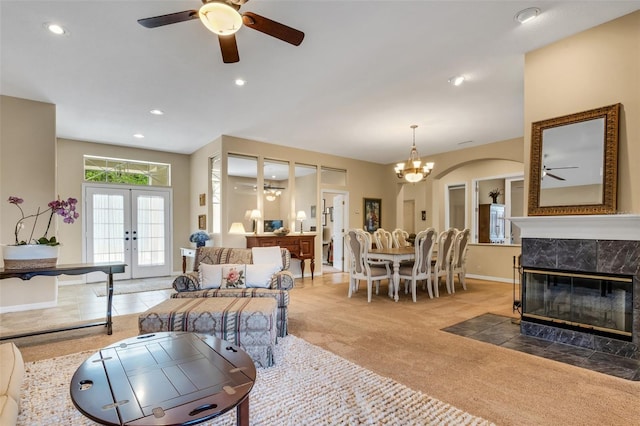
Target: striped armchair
(188,285)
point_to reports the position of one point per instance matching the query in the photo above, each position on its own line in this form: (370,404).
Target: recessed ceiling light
(156,112)
(55,28)
(457,80)
(138,136)
(240,82)
(527,15)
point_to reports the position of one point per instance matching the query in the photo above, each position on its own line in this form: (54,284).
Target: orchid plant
(65,208)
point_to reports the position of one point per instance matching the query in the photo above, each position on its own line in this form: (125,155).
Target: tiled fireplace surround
(605,244)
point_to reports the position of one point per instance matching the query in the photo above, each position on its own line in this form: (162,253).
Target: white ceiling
(364,73)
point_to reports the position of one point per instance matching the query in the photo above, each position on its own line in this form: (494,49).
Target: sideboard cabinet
(301,246)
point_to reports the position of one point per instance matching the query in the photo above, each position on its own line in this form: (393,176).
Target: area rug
(135,287)
(307,386)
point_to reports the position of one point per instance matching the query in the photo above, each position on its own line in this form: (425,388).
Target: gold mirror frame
(610,166)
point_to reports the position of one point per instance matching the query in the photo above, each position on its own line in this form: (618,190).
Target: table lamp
(301,216)
(255,215)
(237,228)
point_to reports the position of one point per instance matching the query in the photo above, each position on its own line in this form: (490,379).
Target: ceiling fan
(223,18)
(545,171)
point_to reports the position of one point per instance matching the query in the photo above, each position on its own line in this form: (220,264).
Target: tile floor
(79,302)
(501,331)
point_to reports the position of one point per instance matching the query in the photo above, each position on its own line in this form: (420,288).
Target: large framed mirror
(574,163)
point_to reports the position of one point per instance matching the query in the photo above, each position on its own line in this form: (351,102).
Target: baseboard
(28,307)
(488,278)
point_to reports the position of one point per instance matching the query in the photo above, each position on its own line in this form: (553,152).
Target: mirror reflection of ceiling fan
(545,172)
(223,18)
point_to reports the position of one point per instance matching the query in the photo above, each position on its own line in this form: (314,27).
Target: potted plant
(200,238)
(494,194)
(37,252)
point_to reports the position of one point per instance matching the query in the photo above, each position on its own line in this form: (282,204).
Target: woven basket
(30,263)
(30,256)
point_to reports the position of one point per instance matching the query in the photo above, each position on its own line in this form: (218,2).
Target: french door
(130,225)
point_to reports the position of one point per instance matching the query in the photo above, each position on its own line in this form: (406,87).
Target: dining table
(395,255)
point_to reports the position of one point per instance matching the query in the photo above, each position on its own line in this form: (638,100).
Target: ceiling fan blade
(172,18)
(273,28)
(229,49)
(561,168)
(555,176)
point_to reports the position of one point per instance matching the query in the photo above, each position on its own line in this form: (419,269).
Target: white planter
(30,256)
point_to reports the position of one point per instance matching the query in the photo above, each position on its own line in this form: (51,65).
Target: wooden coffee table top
(163,379)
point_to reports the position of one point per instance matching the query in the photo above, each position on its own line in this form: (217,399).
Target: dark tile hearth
(501,331)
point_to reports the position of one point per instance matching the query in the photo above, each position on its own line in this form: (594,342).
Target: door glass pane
(108,228)
(150,233)
(242,172)
(216,193)
(275,194)
(306,194)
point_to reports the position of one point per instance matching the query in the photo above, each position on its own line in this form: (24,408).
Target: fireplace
(590,303)
(581,281)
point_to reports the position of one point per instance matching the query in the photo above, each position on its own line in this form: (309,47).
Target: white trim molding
(624,227)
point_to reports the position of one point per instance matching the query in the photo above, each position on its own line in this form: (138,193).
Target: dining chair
(373,262)
(421,268)
(442,264)
(459,259)
(383,238)
(360,268)
(400,237)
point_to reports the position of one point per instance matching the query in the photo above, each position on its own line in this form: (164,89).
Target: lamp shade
(301,215)
(220,18)
(255,214)
(237,228)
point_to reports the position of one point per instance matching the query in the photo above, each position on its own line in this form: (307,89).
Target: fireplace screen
(602,304)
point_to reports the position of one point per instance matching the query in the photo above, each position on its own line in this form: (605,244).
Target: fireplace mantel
(587,227)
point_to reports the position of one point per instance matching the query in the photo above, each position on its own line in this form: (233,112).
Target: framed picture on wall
(372,212)
(203,199)
(202,221)
(313,212)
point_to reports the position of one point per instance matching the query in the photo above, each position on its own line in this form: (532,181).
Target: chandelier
(271,193)
(413,170)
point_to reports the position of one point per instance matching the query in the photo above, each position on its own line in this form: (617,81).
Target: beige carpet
(404,341)
(307,386)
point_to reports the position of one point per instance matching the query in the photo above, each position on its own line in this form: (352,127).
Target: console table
(301,246)
(76,269)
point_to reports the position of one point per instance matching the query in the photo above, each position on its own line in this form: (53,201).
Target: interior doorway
(335,221)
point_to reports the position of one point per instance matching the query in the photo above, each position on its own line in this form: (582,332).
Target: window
(509,202)
(457,206)
(130,172)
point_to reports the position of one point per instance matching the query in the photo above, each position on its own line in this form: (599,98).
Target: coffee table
(169,378)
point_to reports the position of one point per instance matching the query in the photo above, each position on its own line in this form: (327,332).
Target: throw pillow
(233,276)
(267,255)
(260,275)
(210,275)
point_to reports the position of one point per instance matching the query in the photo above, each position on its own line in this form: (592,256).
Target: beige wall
(27,170)
(70,179)
(463,167)
(595,68)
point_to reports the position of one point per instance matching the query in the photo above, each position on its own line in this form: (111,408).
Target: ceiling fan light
(220,18)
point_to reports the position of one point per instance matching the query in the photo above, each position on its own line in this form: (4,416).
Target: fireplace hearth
(581,281)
